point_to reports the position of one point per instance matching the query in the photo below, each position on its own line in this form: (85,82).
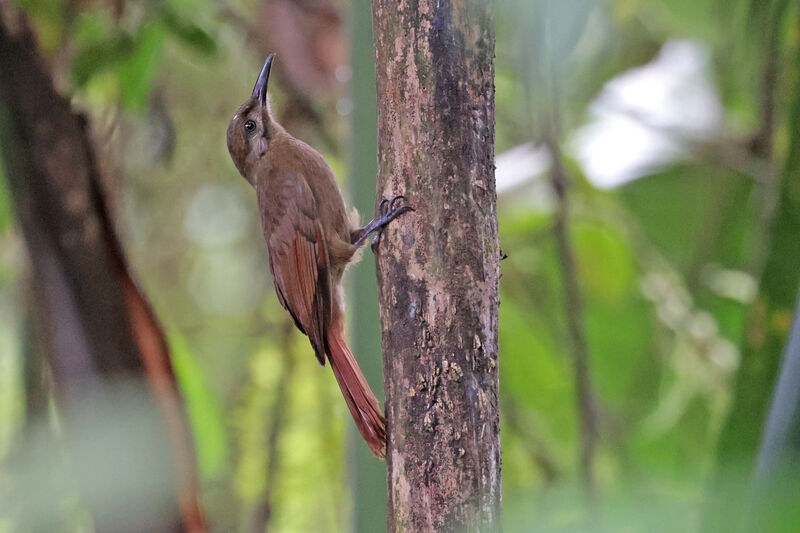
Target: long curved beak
(260,90)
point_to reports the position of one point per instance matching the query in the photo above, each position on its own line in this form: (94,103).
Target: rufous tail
(359,397)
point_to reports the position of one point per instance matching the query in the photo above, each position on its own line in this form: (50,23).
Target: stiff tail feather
(355,389)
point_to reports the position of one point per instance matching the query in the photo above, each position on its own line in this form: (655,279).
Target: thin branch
(262,511)
(576,337)
(763,142)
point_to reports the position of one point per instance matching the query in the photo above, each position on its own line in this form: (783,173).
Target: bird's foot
(387,211)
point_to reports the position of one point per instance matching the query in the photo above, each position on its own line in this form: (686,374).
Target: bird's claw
(387,212)
(386,207)
(383,208)
(394,201)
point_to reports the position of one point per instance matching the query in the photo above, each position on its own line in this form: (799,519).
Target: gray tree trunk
(438,267)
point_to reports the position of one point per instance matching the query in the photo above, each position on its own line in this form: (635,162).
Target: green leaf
(100,56)
(137,72)
(204,408)
(190,33)
(92,27)
(695,213)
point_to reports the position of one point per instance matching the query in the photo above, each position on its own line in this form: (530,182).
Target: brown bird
(310,241)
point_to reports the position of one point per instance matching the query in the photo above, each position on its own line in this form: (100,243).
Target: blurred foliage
(204,410)
(684,272)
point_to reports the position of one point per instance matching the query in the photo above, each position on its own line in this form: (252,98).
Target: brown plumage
(310,241)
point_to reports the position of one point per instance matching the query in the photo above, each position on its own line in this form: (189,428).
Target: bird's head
(252,128)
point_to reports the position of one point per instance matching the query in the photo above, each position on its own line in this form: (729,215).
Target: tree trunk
(98,329)
(438,267)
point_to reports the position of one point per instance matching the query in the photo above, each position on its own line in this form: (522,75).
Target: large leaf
(138,69)
(694,214)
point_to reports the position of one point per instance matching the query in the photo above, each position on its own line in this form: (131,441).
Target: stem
(262,512)
(576,337)
(763,143)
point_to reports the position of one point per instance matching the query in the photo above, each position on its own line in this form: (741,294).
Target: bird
(310,240)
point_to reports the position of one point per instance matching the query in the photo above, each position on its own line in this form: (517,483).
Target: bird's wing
(298,257)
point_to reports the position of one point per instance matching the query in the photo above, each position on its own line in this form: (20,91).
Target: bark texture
(97,328)
(438,267)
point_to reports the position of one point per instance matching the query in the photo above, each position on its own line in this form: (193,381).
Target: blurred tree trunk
(770,319)
(438,267)
(369,475)
(96,326)
(771,313)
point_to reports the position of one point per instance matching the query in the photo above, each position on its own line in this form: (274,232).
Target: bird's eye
(249,126)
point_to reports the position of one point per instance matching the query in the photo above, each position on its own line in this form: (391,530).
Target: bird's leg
(386,213)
